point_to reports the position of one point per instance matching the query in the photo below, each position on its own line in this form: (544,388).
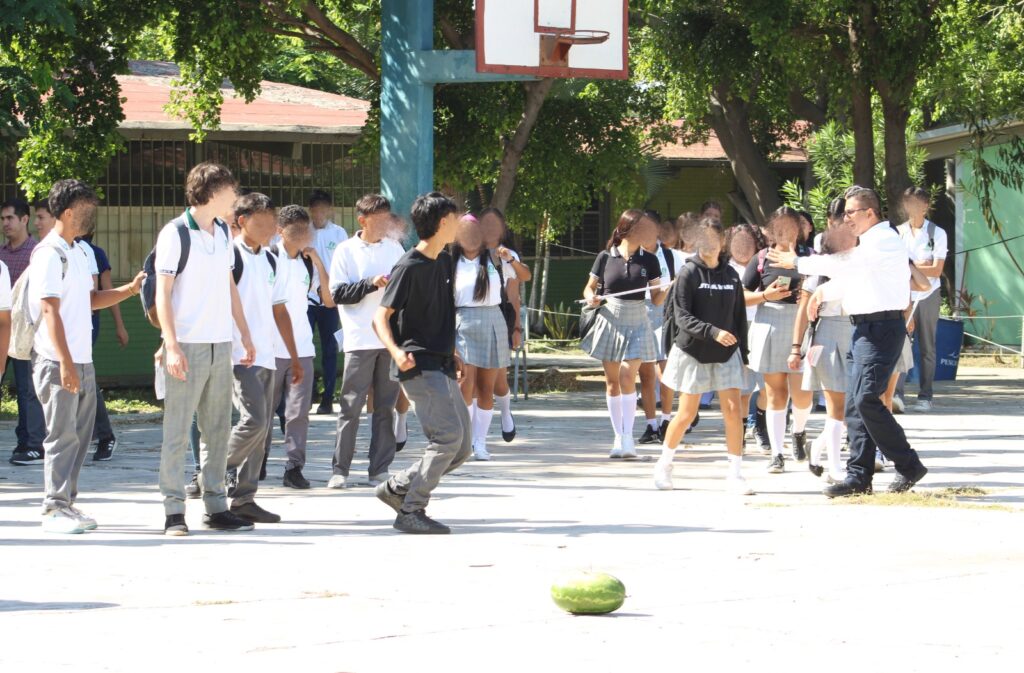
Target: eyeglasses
(850,213)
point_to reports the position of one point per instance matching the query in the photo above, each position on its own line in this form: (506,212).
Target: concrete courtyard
(783,580)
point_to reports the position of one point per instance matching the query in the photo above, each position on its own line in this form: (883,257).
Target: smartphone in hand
(784,282)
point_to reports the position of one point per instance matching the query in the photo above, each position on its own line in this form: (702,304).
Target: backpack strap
(931,235)
(602,264)
(762,255)
(186,244)
(272,259)
(670,261)
(239,266)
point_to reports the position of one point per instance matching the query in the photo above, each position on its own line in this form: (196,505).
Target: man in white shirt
(927,245)
(873,282)
(327,236)
(61,298)
(361,267)
(198,309)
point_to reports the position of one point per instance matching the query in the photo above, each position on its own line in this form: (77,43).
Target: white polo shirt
(201,297)
(74,291)
(325,242)
(294,280)
(466,271)
(356,260)
(921,249)
(260,292)
(6,301)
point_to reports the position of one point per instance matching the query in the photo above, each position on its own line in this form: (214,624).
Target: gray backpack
(23,330)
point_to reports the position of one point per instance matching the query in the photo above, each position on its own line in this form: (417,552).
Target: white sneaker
(62,520)
(879,461)
(480,451)
(737,485)
(898,406)
(378,479)
(616,451)
(338,481)
(663,475)
(88,523)
(628,447)
(922,407)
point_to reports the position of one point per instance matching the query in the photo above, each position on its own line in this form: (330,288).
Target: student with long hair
(773,290)
(706,329)
(742,243)
(621,336)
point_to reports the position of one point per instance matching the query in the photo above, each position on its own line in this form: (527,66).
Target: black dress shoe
(325,409)
(418,523)
(816,470)
(800,446)
(903,483)
(696,420)
(226,521)
(263,467)
(650,436)
(253,513)
(401,445)
(507,436)
(294,478)
(845,489)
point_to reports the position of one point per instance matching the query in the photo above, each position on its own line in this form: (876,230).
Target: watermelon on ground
(589,594)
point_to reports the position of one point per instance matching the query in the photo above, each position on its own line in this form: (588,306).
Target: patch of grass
(945,498)
(324,594)
(220,602)
(119,401)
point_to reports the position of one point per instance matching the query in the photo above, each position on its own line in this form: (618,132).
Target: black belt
(876,317)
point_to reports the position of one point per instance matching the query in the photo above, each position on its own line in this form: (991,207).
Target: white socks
(482,424)
(401,434)
(814,454)
(735,466)
(615,412)
(666,418)
(776,429)
(471,408)
(628,414)
(652,423)
(833,444)
(504,404)
(667,454)
(800,417)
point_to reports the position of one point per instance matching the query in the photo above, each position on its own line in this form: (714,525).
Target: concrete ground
(781,581)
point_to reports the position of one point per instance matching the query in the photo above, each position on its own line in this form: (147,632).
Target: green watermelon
(589,594)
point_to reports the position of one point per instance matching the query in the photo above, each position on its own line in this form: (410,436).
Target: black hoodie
(704,302)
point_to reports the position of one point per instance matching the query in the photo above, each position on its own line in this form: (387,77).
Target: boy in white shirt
(264,303)
(61,298)
(361,267)
(327,236)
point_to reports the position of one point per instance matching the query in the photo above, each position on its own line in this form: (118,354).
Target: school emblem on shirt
(308,280)
(270,280)
(643,273)
(332,245)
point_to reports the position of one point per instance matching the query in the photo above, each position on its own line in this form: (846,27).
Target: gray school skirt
(656,316)
(834,335)
(481,337)
(770,338)
(621,332)
(906,361)
(685,374)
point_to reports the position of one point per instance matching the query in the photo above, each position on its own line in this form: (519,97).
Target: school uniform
(927,244)
(771,332)
(621,330)
(481,333)
(834,334)
(671,262)
(322,318)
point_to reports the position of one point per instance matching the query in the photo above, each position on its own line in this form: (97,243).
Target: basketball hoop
(555,46)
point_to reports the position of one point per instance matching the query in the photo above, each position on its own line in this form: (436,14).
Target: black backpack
(239,266)
(148,293)
(276,251)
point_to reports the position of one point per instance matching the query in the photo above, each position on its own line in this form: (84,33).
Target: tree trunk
(754,174)
(536,93)
(860,102)
(896,113)
(535,283)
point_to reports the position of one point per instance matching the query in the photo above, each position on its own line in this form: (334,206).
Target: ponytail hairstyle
(627,223)
(483,281)
(836,210)
(783,213)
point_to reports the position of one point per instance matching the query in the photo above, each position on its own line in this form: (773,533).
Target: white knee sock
(800,417)
(666,418)
(471,408)
(735,465)
(482,424)
(834,444)
(776,430)
(628,414)
(401,434)
(814,454)
(615,412)
(504,404)
(667,454)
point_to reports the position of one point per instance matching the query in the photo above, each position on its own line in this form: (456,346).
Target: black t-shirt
(757,281)
(420,292)
(618,275)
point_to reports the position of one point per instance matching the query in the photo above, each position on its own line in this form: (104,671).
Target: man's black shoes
(845,489)
(903,482)
(418,523)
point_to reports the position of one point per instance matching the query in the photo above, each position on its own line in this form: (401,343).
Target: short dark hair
(20,206)
(67,193)
(917,193)
(427,212)
(868,196)
(249,204)
(204,180)
(371,204)
(291,215)
(42,204)
(709,204)
(318,196)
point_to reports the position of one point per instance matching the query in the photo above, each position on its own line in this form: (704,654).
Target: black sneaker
(816,470)
(192,489)
(696,420)
(231,482)
(389,497)
(325,409)
(845,489)
(293,479)
(903,483)
(418,523)
(226,521)
(27,456)
(662,431)
(175,526)
(778,465)
(399,446)
(105,449)
(761,433)
(253,513)
(800,446)
(650,436)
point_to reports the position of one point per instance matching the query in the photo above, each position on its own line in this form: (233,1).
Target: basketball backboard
(553,38)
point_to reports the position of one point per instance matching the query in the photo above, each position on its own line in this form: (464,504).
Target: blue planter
(949,339)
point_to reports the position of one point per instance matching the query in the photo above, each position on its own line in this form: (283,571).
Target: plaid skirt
(834,335)
(621,332)
(906,361)
(685,374)
(481,337)
(770,338)
(656,315)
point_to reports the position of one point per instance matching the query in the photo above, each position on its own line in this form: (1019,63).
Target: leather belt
(876,317)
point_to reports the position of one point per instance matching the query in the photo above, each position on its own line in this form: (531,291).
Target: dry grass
(945,498)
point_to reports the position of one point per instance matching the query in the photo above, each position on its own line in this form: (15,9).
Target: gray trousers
(297,401)
(253,388)
(205,392)
(363,369)
(69,421)
(926,324)
(444,417)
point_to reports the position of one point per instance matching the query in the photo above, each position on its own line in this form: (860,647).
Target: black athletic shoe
(903,482)
(800,446)
(253,513)
(174,525)
(226,521)
(27,456)
(231,482)
(816,470)
(778,465)
(293,479)
(418,523)
(192,489)
(662,431)
(761,433)
(105,449)
(507,436)
(845,489)
(401,445)
(696,420)
(389,497)
(281,420)
(325,409)
(650,436)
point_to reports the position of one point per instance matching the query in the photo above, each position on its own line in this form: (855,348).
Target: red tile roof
(712,150)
